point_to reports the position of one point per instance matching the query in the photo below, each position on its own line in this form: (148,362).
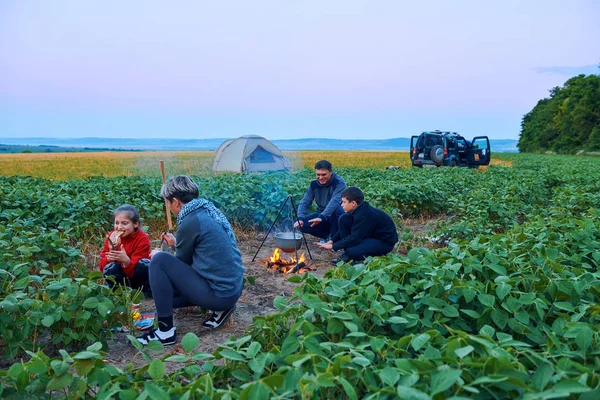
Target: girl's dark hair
(353,194)
(132,213)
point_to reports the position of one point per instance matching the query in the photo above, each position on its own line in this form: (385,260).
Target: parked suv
(439,148)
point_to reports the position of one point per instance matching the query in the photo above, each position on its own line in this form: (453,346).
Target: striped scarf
(213,211)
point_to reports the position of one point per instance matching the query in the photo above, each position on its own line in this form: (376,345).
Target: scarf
(213,211)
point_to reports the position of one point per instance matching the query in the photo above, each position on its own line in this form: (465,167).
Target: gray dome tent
(250,153)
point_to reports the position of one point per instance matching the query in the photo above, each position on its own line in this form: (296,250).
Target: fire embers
(284,266)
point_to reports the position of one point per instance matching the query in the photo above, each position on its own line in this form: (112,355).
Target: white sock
(165,334)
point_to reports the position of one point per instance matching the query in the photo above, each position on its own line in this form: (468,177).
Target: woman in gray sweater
(207,268)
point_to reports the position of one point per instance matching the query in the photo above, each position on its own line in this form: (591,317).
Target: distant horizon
(392,144)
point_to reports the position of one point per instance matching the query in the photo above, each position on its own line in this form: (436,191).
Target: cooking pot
(286,243)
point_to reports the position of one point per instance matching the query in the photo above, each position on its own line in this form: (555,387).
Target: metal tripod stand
(273,224)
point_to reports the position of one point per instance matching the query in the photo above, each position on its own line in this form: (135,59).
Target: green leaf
(232,355)
(500,318)
(487,330)
(487,300)
(542,376)
(326,379)
(189,342)
(419,341)
(59,382)
(343,315)
(257,391)
(464,351)
(94,347)
(397,320)
(280,303)
(253,349)
(155,346)
(155,392)
(409,393)
(450,311)
(178,358)
(156,369)
(86,355)
(502,290)
(91,302)
(443,380)
(48,320)
(295,279)
(362,361)
(471,313)
(36,366)
(348,388)
(584,338)
(241,375)
(389,376)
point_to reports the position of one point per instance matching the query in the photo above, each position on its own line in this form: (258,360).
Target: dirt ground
(256,300)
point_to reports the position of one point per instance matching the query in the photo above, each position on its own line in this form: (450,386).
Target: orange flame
(275,257)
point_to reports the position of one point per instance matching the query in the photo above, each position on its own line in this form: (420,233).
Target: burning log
(291,266)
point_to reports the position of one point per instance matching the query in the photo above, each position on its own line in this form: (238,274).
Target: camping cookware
(286,243)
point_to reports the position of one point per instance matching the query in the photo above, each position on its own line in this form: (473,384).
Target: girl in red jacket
(126,252)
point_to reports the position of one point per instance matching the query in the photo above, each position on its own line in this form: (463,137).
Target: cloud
(570,71)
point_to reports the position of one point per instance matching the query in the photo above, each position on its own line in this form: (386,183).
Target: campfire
(290,266)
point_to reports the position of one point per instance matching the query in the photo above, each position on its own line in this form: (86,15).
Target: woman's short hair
(132,213)
(353,194)
(181,187)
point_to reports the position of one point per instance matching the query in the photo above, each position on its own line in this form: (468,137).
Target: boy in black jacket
(363,230)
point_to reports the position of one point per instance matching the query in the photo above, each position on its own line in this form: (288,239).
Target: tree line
(566,122)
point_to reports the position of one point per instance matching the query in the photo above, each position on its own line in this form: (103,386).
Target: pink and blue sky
(285,69)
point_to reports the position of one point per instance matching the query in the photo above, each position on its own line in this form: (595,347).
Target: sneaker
(166,338)
(218,318)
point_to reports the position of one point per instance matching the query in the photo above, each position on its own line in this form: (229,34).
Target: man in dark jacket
(363,230)
(326,191)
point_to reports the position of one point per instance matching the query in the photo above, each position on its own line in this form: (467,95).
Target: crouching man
(363,230)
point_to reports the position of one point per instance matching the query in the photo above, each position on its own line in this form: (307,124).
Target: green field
(510,308)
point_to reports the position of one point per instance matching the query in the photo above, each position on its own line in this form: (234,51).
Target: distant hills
(121,144)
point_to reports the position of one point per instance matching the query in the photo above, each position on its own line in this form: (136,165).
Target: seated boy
(363,230)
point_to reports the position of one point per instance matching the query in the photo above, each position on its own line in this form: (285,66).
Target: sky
(285,69)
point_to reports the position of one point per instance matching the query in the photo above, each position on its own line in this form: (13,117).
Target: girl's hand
(168,238)
(119,256)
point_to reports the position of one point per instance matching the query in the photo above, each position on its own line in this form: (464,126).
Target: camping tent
(250,153)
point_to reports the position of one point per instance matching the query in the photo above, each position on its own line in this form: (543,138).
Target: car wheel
(437,153)
(452,163)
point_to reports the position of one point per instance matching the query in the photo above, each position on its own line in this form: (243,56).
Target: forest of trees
(566,122)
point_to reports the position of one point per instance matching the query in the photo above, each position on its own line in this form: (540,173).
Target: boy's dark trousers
(366,247)
(138,280)
(324,229)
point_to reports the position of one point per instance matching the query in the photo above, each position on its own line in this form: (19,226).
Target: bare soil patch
(256,300)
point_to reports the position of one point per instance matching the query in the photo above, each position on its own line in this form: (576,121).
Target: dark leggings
(138,280)
(366,247)
(175,283)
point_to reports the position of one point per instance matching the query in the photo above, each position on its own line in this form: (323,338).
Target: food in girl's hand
(115,239)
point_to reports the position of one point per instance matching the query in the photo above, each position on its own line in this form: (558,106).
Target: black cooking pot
(286,243)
